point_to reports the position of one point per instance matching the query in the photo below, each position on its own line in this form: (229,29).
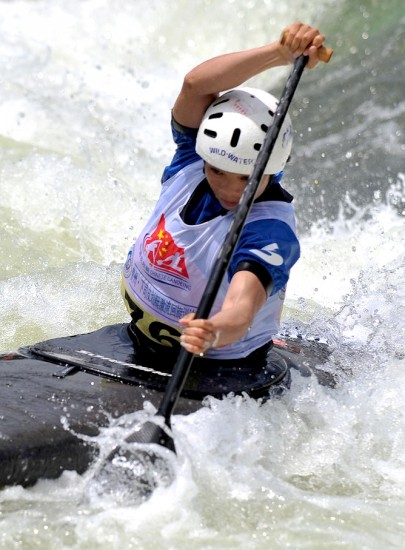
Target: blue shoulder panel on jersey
(273,244)
(185,153)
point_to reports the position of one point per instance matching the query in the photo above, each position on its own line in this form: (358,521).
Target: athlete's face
(228,187)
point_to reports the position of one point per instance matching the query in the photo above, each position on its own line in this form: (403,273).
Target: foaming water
(285,473)
(356,263)
(84,133)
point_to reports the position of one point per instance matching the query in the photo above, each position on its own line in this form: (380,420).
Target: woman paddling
(218,136)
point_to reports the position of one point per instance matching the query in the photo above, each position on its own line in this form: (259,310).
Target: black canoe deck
(34,441)
(34,403)
(109,352)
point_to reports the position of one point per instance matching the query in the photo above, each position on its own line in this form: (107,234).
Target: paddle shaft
(185,358)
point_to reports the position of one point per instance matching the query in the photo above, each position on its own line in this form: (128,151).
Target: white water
(84,133)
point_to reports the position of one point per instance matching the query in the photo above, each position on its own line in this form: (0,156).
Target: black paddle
(185,358)
(133,470)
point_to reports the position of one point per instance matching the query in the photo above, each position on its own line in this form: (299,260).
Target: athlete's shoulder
(273,244)
(185,139)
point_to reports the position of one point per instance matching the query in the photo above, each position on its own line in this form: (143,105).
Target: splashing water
(84,134)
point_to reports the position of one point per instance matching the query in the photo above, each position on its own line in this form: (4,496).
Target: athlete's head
(233,130)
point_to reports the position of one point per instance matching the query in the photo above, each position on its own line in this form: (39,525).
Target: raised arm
(203,83)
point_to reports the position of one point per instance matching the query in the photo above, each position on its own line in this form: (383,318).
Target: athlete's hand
(298,39)
(199,335)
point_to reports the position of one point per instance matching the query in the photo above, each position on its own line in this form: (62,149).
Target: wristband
(217,337)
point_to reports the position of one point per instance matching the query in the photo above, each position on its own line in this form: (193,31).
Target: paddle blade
(136,467)
(150,432)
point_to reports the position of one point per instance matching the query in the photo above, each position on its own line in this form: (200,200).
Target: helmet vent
(210,133)
(215,115)
(220,102)
(264,127)
(235,137)
(257,146)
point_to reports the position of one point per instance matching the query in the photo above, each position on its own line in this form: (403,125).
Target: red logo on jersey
(163,252)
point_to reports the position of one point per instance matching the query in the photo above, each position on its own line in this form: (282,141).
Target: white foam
(85,103)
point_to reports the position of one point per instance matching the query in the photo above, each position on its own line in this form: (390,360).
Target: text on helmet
(231,156)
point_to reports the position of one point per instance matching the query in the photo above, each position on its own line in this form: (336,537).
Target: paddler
(218,126)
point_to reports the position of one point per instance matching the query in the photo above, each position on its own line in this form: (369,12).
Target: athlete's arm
(245,296)
(203,83)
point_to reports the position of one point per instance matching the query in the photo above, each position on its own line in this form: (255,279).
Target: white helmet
(233,130)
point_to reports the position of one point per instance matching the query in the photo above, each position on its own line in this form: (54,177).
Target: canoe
(85,380)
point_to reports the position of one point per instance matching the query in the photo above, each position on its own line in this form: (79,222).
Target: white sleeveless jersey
(168,267)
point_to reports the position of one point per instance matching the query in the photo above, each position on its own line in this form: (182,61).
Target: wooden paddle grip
(324,54)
